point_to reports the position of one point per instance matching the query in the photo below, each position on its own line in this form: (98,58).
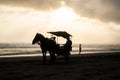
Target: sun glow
(20,24)
(64,15)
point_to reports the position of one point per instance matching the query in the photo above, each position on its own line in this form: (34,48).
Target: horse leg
(52,57)
(44,57)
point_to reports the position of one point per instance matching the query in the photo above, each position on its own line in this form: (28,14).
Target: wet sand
(99,66)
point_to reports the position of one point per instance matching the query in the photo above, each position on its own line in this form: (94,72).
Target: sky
(89,21)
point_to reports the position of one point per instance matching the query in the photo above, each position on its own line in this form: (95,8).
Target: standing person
(80,48)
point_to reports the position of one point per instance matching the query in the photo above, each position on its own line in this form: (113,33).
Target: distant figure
(68,45)
(80,48)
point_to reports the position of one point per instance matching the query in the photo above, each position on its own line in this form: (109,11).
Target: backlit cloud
(104,10)
(35,4)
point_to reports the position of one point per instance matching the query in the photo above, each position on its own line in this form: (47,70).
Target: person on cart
(68,45)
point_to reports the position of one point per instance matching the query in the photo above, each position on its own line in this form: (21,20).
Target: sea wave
(29,49)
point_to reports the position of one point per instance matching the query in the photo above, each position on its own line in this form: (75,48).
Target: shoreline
(39,57)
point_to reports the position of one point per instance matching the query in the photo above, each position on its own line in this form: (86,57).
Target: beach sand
(97,66)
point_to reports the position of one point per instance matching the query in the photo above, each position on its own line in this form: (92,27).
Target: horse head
(37,38)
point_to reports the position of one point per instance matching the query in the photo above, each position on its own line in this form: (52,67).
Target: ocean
(27,49)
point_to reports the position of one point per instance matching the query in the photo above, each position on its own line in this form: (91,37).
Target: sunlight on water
(22,49)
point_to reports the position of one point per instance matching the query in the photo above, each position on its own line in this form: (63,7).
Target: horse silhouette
(49,45)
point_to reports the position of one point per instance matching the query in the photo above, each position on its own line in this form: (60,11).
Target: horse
(49,45)
(45,44)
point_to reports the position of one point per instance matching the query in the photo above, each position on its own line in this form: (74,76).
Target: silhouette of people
(68,45)
(80,48)
(53,43)
(54,39)
(57,47)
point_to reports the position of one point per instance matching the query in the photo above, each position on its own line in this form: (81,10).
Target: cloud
(104,10)
(35,4)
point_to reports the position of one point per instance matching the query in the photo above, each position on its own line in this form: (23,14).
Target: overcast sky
(89,21)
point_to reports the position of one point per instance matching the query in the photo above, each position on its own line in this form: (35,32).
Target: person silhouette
(68,45)
(80,48)
(54,39)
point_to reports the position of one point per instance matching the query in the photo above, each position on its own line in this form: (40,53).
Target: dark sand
(80,67)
